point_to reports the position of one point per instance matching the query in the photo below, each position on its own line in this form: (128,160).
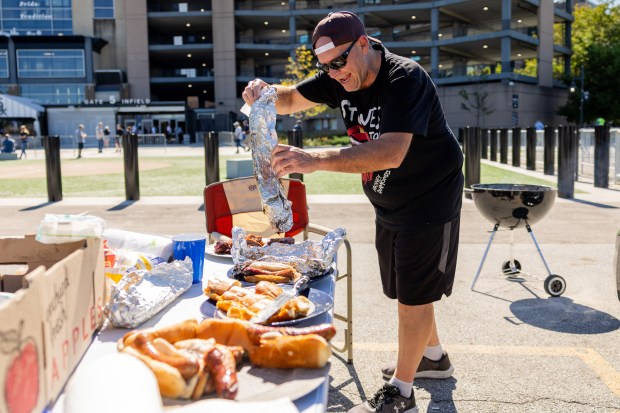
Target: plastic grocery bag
(59,229)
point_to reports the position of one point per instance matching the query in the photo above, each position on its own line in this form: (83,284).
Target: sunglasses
(337,63)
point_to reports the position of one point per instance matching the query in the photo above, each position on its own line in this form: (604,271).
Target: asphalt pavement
(513,347)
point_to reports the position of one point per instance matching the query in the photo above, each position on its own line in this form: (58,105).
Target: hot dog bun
(289,352)
(169,379)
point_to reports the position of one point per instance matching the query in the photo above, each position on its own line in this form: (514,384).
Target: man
(246,134)
(8,144)
(237,135)
(80,137)
(99,136)
(411,166)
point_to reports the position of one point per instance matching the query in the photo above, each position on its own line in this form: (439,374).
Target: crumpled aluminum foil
(141,294)
(311,257)
(263,140)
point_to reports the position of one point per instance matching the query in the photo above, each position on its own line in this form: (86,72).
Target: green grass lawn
(183,176)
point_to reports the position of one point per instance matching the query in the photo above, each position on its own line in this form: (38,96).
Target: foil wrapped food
(263,139)
(311,257)
(141,294)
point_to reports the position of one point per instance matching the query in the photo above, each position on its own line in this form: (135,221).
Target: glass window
(104,9)
(4,64)
(41,17)
(50,63)
(68,93)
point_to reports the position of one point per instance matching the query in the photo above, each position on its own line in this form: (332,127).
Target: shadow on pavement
(121,206)
(337,401)
(594,204)
(563,315)
(34,207)
(441,391)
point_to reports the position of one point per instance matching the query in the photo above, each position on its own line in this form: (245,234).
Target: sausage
(223,367)
(255,331)
(188,367)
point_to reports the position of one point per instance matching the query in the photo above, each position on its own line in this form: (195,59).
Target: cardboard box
(22,363)
(57,309)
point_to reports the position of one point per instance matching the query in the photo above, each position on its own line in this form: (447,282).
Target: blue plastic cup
(193,246)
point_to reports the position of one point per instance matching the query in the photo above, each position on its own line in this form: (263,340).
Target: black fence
(587,154)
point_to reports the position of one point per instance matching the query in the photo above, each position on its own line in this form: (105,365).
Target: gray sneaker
(428,369)
(387,399)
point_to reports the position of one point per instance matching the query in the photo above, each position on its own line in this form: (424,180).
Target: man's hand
(287,159)
(252,91)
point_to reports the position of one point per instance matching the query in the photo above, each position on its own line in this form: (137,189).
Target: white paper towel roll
(115,383)
(144,243)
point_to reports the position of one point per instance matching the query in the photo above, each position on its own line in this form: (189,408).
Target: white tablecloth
(193,304)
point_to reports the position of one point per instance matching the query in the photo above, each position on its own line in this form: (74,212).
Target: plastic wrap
(141,294)
(310,257)
(146,244)
(263,140)
(59,229)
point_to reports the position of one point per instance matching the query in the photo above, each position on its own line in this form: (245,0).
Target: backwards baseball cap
(341,27)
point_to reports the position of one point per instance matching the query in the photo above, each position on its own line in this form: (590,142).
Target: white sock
(404,387)
(434,353)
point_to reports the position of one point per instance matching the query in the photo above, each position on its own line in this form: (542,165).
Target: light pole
(581,98)
(584,95)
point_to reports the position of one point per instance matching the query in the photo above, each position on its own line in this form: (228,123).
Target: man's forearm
(368,157)
(284,104)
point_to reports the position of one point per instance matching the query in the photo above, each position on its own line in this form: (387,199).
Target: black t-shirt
(426,189)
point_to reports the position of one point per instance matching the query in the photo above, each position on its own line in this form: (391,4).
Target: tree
(298,69)
(602,83)
(595,40)
(593,25)
(476,103)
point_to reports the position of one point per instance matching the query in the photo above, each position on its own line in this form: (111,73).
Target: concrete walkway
(514,349)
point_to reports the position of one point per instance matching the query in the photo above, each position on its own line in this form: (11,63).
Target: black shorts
(80,145)
(417,267)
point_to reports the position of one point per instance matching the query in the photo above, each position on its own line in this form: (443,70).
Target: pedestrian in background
(24,134)
(99,135)
(8,144)
(246,134)
(80,138)
(117,138)
(238,135)
(106,136)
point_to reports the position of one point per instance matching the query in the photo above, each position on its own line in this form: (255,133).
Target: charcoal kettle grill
(515,206)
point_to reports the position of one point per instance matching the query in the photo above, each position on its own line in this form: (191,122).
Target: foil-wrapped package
(141,294)
(263,139)
(311,257)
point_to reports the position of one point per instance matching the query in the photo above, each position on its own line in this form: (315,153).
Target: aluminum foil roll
(311,257)
(263,139)
(141,294)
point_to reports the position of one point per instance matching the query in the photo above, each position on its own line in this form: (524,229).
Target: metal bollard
(549,150)
(296,138)
(52,168)
(530,149)
(493,139)
(566,161)
(212,157)
(503,145)
(132,172)
(601,156)
(473,152)
(516,146)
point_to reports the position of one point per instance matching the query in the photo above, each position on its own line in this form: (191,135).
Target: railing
(182,7)
(585,163)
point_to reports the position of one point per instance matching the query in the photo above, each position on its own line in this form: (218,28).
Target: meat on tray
(244,303)
(224,245)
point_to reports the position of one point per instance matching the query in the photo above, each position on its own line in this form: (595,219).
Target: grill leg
(484,257)
(529,229)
